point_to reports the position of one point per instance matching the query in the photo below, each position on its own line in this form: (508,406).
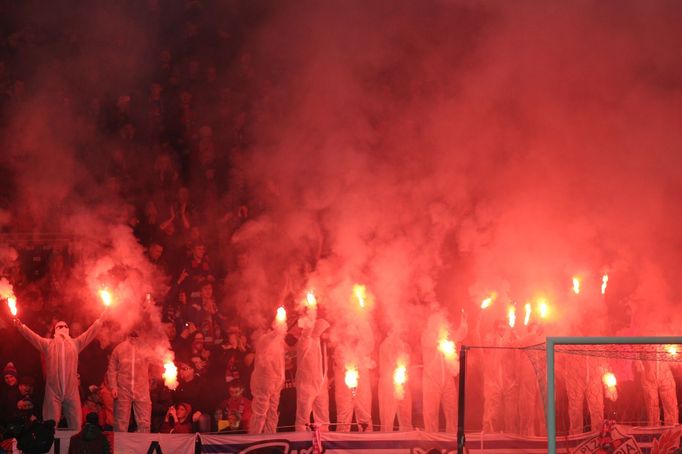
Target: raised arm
(89,335)
(34,339)
(463,329)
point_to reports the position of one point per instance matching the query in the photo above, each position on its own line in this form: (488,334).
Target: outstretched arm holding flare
(61,369)
(39,342)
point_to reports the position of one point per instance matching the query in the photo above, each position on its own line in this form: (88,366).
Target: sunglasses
(61,326)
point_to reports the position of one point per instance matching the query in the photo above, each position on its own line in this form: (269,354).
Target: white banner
(622,439)
(388,442)
(332,443)
(284,442)
(133,443)
(61,441)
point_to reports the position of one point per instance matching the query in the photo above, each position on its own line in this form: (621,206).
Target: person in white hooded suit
(61,369)
(267,380)
(440,370)
(128,379)
(394,399)
(312,384)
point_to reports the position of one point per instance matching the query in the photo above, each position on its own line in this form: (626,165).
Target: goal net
(569,386)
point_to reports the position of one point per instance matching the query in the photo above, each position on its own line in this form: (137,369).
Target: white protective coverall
(438,379)
(358,400)
(531,413)
(657,380)
(392,350)
(584,375)
(61,372)
(500,382)
(312,385)
(128,377)
(267,380)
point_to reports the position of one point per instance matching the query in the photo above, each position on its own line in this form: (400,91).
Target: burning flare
(543,308)
(576,285)
(310,300)
(351,377)
(399,380)
(281,316)
(12,304)
(609,380)
(446,346)
(170,375)
(105,295)
(360,292)
(671,349)
(488,301)
(526,318)
(604,283)
(511,316)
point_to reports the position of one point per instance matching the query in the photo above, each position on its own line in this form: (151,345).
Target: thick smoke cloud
(51,145)
(435,152)
(513,146)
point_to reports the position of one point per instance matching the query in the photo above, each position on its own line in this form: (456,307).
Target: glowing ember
(399,380)
(604,282)
(576,285)
(511,316)
(488,301)
(170,375)
(281,316)
(360,293)
(527,309)
(671,349)
(609,380)
(12,303)
(351,377)
(310,300)
(105,295)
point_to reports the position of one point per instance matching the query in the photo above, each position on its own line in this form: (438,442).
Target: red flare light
(447,348)
(105,295)
(360,293)
(351,377)
(12,304)
(543,308)
(310,300)
(576,285)
(609,379)
(604,283)
(486,303)
(170,375)
(527,309)
(511,316)
(281,316)
(399,380)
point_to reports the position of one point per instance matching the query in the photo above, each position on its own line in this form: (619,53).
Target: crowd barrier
(626,440)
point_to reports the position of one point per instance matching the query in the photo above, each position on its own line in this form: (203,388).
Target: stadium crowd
(183,123)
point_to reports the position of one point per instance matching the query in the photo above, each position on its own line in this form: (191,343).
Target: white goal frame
(551,342)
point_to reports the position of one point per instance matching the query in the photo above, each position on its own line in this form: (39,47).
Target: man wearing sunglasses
(61,369)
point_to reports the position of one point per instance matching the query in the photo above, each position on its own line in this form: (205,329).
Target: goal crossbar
(554,341)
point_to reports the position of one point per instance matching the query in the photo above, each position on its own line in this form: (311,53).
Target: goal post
(550,345)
